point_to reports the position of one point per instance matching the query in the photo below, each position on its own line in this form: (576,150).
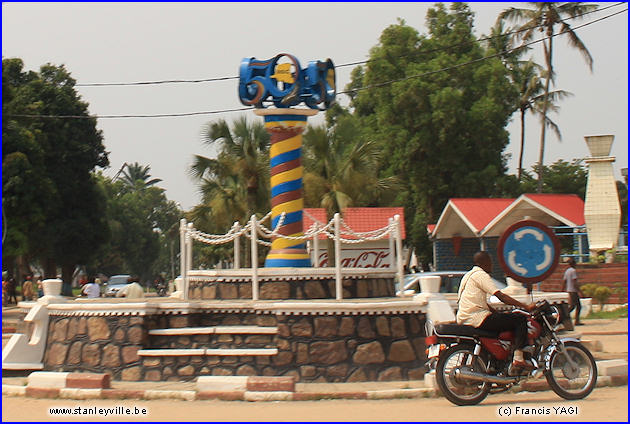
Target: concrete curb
(230,394)
(63,380)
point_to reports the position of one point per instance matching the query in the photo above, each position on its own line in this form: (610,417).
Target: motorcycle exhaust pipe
(487,378)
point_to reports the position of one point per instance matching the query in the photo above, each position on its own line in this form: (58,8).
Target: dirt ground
(604,404)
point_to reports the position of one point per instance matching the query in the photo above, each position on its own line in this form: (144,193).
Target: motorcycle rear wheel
(455,389)
(572,382)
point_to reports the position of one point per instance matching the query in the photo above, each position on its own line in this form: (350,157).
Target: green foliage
(602,293)
(614,314)
(622,191)
(588,290)
(143,225)
(137,177)
(234,185)
(559,177)
(443,133)
(550,17)
(52,203)
(597,292)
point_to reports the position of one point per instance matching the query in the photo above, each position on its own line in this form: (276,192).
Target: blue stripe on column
(289,218)
(287,263)
(285,157)
(286,187)
(276,118)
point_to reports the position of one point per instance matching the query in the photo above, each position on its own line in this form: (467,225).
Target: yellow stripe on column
(290,175)
(288,207)
(285,145)
(285,124)
(288,256)
(282,243)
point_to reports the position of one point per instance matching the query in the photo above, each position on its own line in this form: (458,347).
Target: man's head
(571,262)
(483,260)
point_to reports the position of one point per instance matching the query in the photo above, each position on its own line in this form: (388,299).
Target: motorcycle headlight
(554,316)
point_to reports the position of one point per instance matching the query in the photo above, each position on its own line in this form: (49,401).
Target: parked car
(115,283)
(449,282)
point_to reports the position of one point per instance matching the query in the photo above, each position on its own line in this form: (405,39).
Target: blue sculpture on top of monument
(286,82)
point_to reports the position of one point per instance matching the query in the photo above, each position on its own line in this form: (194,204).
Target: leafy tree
(66,152)
(546,16)
(561,177)
(144,231)
(442,131)
(622,191)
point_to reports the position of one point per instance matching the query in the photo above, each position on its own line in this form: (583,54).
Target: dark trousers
(507,321)
(575,304)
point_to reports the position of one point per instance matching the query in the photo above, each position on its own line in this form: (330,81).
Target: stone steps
(224,329)
(214,337)
(220,341)
(208,352)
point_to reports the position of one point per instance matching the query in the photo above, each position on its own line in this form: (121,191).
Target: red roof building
(360,220)
(468,225)
(490,217)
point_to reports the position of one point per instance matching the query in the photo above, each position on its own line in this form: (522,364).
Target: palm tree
(136,176)
(341,170)
(223,196)
(545,16)
(235,185)
(246,148)
(527,77)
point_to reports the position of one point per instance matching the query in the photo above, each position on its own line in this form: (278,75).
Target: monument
(282,82)
(602,212)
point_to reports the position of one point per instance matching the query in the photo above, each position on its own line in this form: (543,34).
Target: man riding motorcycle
(473,308)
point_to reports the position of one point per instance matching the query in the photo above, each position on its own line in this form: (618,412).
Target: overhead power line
(360,62)
(479,59)
(465,43)
(381,84)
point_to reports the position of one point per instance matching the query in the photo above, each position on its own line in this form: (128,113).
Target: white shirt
(131,291)
(92,290)
(570,276)
(474,290)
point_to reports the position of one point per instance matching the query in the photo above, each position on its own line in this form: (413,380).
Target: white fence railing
(336,229)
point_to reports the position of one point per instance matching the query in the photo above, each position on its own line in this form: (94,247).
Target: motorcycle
(471,363)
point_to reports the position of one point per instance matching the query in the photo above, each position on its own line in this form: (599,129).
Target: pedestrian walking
(570,285)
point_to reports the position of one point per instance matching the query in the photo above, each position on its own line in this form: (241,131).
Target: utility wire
(464,43)
(216,79)
(354,90)
(161,115)
(479,59)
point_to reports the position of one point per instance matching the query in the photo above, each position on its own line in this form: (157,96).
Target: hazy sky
(128,42)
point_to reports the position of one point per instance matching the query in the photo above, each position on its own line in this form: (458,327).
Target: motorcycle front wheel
(456,389)
(573,379)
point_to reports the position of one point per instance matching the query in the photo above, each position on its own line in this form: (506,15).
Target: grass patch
(616,313)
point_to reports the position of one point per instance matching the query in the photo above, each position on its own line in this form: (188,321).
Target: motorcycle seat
(463,330)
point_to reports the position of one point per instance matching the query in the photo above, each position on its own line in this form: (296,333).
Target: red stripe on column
(286,166)
(286,197)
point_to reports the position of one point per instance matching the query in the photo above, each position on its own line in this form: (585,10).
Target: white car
(449,282)
(115,283)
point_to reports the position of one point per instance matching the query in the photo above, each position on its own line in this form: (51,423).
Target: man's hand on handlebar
(530,307)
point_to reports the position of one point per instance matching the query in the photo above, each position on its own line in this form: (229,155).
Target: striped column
(286,127)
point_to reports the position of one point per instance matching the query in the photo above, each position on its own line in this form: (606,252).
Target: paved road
(604,404)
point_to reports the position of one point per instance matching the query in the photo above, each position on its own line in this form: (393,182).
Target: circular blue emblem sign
(528,251)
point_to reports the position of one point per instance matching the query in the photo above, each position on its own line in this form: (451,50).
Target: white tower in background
(602,211)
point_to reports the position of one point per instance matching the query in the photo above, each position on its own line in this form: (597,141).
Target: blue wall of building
(447,260)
